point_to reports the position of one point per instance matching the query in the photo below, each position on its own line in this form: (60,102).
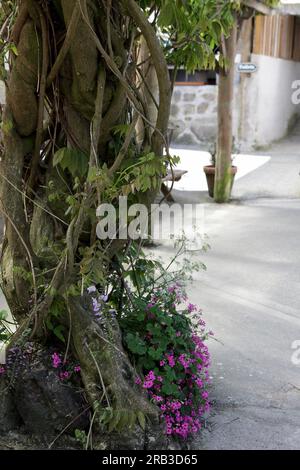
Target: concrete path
(250,295)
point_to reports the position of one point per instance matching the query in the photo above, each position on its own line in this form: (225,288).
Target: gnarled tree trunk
(71,83)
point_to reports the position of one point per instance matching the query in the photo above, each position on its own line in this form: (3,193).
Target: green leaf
(136,344)
(3,315)
(166,16)
(146,362)
(132,417)
(73,160)
(14,49)
(170,389)
(92,174)
(121,129)
(58,331)
(156,354)
(114,421)
(141,420)
(49,324)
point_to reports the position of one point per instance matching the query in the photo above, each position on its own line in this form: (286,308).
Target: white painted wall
(266,110)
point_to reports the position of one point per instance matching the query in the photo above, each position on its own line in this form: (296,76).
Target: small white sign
(246,67)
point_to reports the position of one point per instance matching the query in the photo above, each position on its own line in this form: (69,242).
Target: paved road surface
(250,295)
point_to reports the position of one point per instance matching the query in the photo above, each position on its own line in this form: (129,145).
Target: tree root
(106,370)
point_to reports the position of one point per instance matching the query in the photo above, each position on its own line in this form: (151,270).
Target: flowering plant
(165,336)
(23,358)
(64,368)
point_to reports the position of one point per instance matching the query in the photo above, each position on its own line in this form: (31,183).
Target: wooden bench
(172,176)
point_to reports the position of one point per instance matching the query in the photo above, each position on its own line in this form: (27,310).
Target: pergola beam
(259,7)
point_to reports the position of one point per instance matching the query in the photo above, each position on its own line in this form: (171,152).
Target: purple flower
(150,375)
(77,368)
(96,305)
(148,384)
(199,383)
(91,289)
(171,360)
(191,308)
(171,289)
(150,305)
(157,398)
(190,363)
(56,360)
(64,375)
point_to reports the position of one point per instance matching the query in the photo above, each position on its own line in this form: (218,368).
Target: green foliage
(191,30)
(143,173)
(92,266)
(165,336)
(119,419)
(152,308)
(150,331)
(73,160)
(146,273)
(272,3)
(24,274)
(53,320)
(121,129)
(135,343)
(81,437)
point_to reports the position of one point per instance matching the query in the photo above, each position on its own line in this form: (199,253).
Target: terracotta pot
(210,171)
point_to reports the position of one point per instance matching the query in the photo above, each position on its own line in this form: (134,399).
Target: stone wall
(194,115)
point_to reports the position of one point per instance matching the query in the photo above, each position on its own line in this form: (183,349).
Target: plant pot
(210,172)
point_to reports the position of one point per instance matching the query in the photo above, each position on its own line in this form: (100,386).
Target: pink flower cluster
(179,380)
(56,360)
(2,370)
(64,375)
(178,291)
(182,417)
(65,370)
